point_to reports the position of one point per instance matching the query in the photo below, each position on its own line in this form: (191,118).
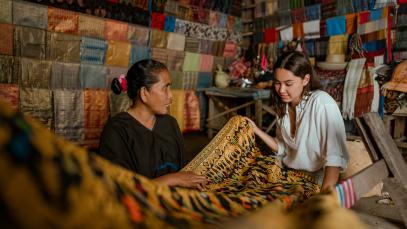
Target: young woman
(310,129)
(145,138)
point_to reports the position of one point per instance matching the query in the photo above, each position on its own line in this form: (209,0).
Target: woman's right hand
(255,128)
(183,179)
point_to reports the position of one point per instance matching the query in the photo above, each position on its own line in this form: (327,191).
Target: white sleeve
(333,137)
(280,141)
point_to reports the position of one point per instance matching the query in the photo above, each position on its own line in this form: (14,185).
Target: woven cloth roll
(30,42)
(6,11)
(160,55)
(6,34)
(35,73)
(176,41)
(118,53)
(93,76)
(68,110)
(96,113)
(63,21)
(9,69)
(115,30)
(64,47)
(159,39)
(91,26)
(93,50)
(38,104)
(65,76)
(138,35)
(11,94)
(32,15)
(175,60)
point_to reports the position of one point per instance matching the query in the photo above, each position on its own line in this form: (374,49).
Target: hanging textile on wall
(175,60)
(160,55)
(192,117)
(65,76)
(138,53)
(169,23)
(93,50)
(344,7)
(192,45)
(6,34)
(64,47)
(30,42)
(96,113)
(38,104)
(217,48)
(351,23)
(118,103)
(93,76)
(115,30)
(171,7)
(177,80)
(64,21)
(311,29)
(191,62)
(365,93)
(32,15)
(114,72)
(157,21)
(11,94)
(338,44)
(206,63)
(177,107)
(214,18)
(189,80)
(118,53)
(6,11)
(298,30)
(91,26)
(68,110)
(205,46)
(35,73)
(9,69)
(159,39)
(332,81)
(138,35)
(176,41)
(313,12)
(336,25)
(180,26)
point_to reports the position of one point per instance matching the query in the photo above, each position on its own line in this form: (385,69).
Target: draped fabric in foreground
(48,182)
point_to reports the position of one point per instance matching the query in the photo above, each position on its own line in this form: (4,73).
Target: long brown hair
(299,64)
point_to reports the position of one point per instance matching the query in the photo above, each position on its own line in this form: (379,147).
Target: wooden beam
(367,178)
(366,139)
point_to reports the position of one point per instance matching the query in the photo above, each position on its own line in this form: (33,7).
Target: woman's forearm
(331,177)
(267,139)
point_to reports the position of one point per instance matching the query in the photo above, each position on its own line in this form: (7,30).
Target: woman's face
(289,86)
(159,97)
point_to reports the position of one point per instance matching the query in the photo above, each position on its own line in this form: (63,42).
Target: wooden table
(244,98)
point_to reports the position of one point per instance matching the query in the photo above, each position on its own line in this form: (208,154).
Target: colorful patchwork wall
(57,64)
(370,33)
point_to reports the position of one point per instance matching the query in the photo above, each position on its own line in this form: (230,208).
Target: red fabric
(270,35)
(157,21)
(237,68)
(402,1)
(364,17)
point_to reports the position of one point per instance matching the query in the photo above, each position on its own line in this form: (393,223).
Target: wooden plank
(387,147)
(367,178)
(398,194)
(366,139)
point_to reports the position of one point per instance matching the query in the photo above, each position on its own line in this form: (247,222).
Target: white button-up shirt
(320,138)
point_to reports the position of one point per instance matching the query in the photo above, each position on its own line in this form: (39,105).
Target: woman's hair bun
(119,84)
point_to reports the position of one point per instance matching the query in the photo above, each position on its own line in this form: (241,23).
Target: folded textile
(35,73)
(138,35)
(217,48)
(321,48)
(68,110)
(328,9)
(205,80)
(169,25)
(214,18)
(177,79)
(184,12)
(65,76)
(191,45)
(30,42)
(361,5)
(32,15)
(115,30)
(353,75)
(6,11)
(175,60)
(298,30)
(344,7)
(311,29)
(160,55)
(372,26)
(192,119)
(64,47)
(230,49)
(38,104)
(118,53)
(190,80)
(298,15)
(205,46)
(287,34)
(157,20)
(338,44)
(313,12)
(6,34)
(364,95)
(206,63)
(180,26)
(159,39)
(138,53)
(91,26)
(93,76)
(10,93)
(93,50)
(96,113)
(351,23)
(64,21)
(336,25)
(9,69)
(310,47)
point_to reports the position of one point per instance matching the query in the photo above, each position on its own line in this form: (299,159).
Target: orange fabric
(64,21)
(351,23)
(298,30)
(116,30)
(6,34)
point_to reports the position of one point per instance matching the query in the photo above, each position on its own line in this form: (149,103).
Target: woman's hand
(183,179)
(255,128)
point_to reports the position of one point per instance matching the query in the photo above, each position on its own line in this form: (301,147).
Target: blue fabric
(169,23)
(93,76)
(205,79)
(376,14)
(138,53)
(93,50)
(381,106)
(374,45)
(223,20)
(336,26)
(310,47)
(361,5)
(313,12)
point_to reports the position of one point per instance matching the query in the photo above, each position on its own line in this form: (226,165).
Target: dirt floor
(376,211)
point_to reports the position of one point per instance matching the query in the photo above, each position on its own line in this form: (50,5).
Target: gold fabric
(115,30)
(30,42)
(37,103)
(32,15)
(118,53)
(35,73)
(91,26)
(138,35)
(9,69)
(6,10)
(338,44)
(160,55)
(159,39)
(118,103)
(177,106)
(192,116)
(64,47)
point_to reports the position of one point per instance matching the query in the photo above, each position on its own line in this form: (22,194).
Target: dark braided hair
(141,74)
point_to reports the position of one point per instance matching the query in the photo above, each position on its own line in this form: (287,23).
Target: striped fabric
(206,63)
(91,26)
(346,193)
(177,80)
(192,119)
(35,73)
(6,11)
(93,50)
(65,76)
(38,104)
(115,30)
(30,42)
(217,48)
(118,53)
(205,46)
(32,15)
(138,53)
(68,113)
(328,9)
(63,21)
(138,35)
(321,48)
(64,47)
(160,55)
(190,80)
(93,76)
(7,39)
(192,44)
(9,69)
(230,49)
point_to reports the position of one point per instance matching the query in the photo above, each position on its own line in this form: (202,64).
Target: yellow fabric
(118,53)
(177,107)
(338,44)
